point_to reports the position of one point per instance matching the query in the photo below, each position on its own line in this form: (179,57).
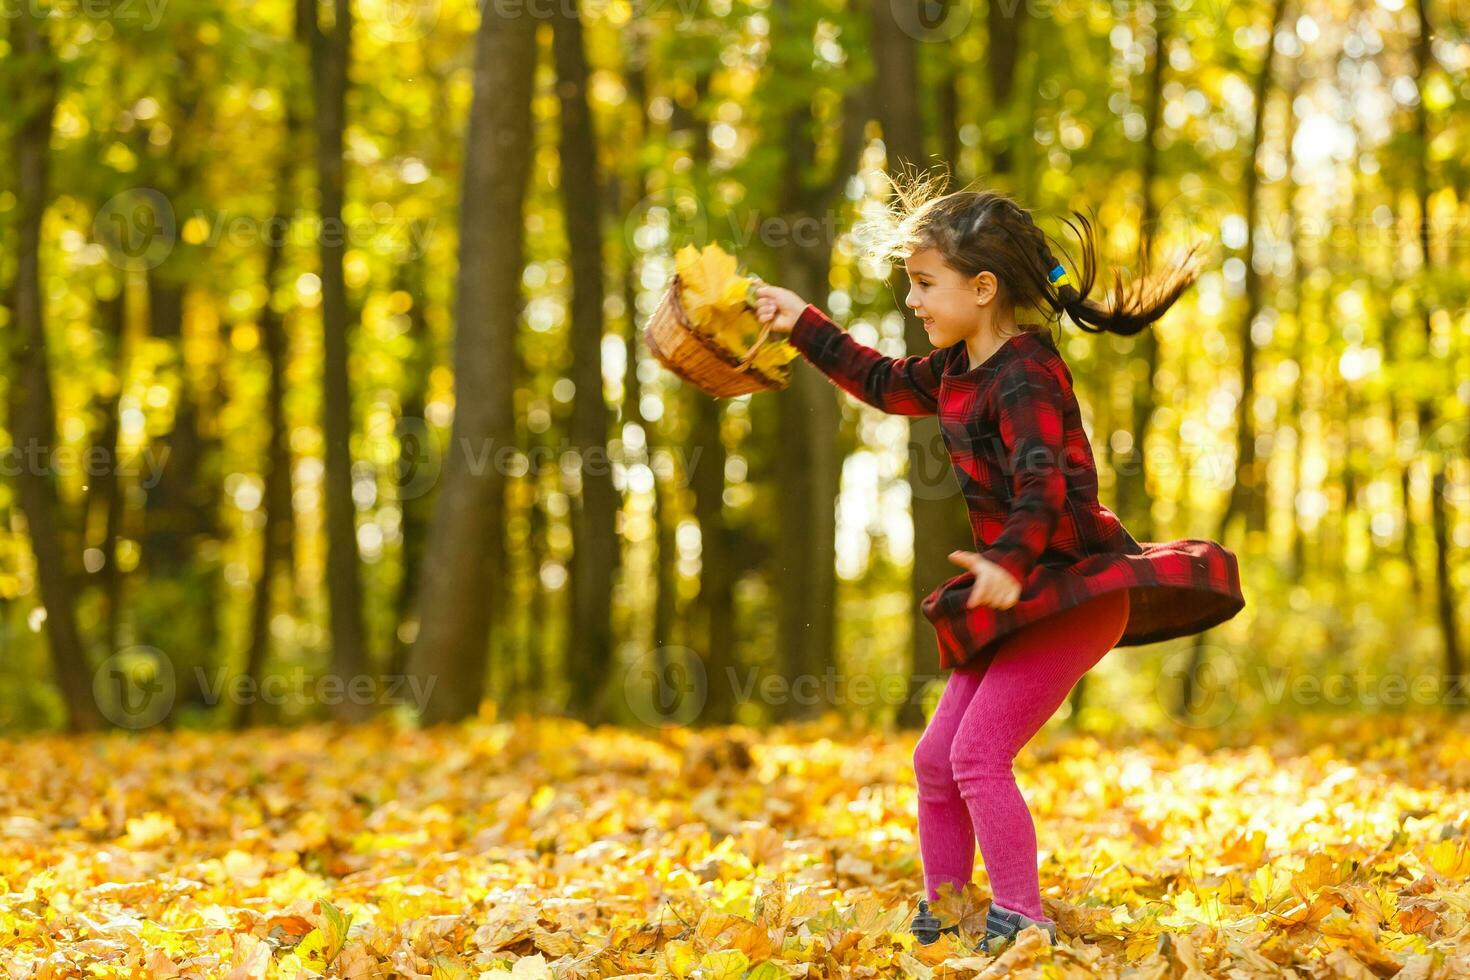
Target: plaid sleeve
(899,386)
(1030,410)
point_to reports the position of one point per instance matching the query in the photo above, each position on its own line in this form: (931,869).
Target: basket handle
(765,332)
(754,348)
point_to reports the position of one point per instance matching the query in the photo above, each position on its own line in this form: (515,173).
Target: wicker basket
(699,360)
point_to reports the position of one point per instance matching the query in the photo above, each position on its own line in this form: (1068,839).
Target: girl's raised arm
(897,385)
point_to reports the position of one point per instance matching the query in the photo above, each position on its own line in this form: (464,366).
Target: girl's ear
(985,285)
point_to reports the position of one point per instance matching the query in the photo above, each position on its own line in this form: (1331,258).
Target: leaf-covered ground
(543,849)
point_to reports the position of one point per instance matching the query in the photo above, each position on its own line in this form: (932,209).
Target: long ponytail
(986,231)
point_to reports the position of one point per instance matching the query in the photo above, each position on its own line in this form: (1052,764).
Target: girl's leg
(946,838)
(1030,676)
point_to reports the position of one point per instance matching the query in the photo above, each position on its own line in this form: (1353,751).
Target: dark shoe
(925,926)
(1003,925)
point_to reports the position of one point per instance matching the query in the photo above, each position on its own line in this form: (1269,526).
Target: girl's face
(951,305)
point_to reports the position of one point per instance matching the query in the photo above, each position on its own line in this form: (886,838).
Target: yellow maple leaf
(965,908)
(705,276)
(1450,858)
(752,939)
(724,964)
(680,958)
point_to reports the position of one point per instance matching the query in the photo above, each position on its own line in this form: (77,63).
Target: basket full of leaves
(705,329)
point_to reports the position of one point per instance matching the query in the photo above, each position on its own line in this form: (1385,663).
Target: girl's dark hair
(985,231)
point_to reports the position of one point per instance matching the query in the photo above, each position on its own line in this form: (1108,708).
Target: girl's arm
(1032,400)
(897,385)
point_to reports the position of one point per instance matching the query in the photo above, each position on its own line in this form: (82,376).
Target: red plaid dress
(1014,434)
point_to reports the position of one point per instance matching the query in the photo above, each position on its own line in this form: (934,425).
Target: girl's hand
(780,307)
(994,586)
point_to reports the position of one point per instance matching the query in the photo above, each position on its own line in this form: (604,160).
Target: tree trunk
(276,534)
(666,582)
(177,612)
(32,421)
(1004,20)
(1295,550)
(330,55)
(539,648)
(716,567)
(896,101)
(939,515)
(715,605)
(595,555)
(949,123)
(808,468)
(1248,492)
(412,478)
(808,463)
(178,615)
(103,510)
(465,553)
(1444,588)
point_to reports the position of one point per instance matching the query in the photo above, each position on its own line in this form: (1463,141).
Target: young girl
(1055,581)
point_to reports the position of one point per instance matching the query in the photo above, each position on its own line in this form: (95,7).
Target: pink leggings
(967,789)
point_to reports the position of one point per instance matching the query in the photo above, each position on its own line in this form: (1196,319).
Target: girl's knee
(931,763)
